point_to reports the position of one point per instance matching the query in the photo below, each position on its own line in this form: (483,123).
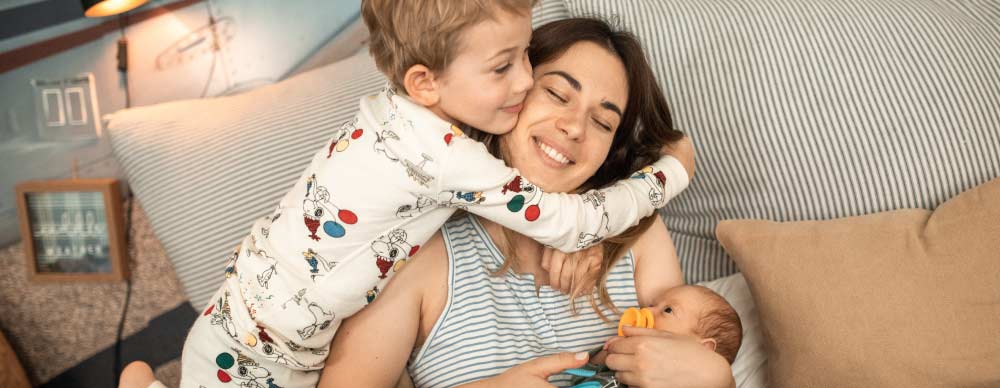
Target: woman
(475,302)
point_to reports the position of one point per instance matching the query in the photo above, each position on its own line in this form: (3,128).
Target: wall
(171,57)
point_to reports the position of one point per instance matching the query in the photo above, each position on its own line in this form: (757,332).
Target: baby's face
(485,85)
(678,310)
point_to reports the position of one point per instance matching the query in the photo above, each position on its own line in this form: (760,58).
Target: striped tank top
(492,323)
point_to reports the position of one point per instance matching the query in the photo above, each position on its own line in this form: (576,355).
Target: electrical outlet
(66,109)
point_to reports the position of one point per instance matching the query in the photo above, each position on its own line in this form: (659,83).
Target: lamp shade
(98,8)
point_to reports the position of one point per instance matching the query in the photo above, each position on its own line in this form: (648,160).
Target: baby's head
(700,312)
(465,60)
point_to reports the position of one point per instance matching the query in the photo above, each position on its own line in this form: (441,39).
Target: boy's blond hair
(405,33)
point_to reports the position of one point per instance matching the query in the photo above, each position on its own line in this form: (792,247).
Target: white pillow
(750,365)
(819,109)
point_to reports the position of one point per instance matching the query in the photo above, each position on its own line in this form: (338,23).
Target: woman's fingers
(581,278)
(555,272)
(623,346)
(629,378)
(547,258)
(632,331)
(569,268)
(549,365)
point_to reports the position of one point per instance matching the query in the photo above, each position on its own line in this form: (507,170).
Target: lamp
(99,8)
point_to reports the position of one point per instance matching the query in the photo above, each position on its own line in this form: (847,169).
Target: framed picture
(73,229)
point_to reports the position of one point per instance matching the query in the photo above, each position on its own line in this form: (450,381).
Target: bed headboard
(341,45)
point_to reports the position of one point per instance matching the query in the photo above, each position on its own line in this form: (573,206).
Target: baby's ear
(421,85)
(709,343)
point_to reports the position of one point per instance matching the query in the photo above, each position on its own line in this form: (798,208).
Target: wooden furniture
(12,375)
(73,230)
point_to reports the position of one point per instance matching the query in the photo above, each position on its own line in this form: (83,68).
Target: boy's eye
(502,69)
(669,310)
(555,95)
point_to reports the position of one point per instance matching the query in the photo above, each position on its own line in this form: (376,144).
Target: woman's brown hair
(645,127)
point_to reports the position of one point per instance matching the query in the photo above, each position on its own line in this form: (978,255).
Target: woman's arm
(371,347)
(657,267)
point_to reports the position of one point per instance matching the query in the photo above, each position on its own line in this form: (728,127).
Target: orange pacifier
(635,317)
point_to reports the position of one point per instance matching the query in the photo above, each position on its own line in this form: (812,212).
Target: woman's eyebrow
(612,107)
(572,81)
(576,85)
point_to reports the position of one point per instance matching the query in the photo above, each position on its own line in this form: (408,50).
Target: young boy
(387,181)
(695,312)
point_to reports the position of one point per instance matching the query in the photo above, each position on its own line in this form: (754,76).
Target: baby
(385,183)
(695,312)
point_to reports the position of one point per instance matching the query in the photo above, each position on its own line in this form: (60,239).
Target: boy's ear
(709,343)
(421,85)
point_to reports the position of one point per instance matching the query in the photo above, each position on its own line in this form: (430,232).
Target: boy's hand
(574,272)
(683,150)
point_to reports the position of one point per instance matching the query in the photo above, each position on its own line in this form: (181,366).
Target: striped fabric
(809,110)
(548,10)
(205,169)
(492,323)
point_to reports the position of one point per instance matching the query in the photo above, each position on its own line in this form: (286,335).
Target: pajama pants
(213,358)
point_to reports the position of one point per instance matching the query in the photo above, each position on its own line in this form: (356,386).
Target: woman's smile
(552,155)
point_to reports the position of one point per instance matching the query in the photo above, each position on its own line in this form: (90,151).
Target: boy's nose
(525,79)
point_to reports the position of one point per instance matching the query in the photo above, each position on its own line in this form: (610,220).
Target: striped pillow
(809,110)
(205,169)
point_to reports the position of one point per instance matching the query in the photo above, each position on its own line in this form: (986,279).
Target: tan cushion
(907,298)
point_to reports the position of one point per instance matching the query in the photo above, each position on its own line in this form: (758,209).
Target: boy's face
(678,310)
(485,85)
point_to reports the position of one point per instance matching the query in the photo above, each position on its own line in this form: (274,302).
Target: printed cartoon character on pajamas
(655,180)
(596,199)
(317,205)
(321,320)
(391,251)
(519,202)
(248,373)
(221,315)
(342,137)
(314,260)
(423,204)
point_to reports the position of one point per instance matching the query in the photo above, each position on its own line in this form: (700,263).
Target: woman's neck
(527,251)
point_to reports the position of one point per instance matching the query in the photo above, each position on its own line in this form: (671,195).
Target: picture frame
(73,230)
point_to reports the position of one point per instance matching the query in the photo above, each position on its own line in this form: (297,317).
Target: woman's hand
(534,373)
(573,273)
(683,150)
(650,358)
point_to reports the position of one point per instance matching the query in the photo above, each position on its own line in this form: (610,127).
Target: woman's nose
(572,124)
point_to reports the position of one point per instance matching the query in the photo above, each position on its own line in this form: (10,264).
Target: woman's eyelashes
(563,100)
(502,69)
(552,93)
(603,126)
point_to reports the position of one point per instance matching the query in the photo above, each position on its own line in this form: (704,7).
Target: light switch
(67,109)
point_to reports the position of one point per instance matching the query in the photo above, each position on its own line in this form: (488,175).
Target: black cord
(128,291)
(123,56)
(215,49)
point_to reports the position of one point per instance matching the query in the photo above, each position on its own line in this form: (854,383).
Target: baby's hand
(575,273)
(683,150)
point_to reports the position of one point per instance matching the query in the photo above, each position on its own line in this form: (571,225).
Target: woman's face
(569,118)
